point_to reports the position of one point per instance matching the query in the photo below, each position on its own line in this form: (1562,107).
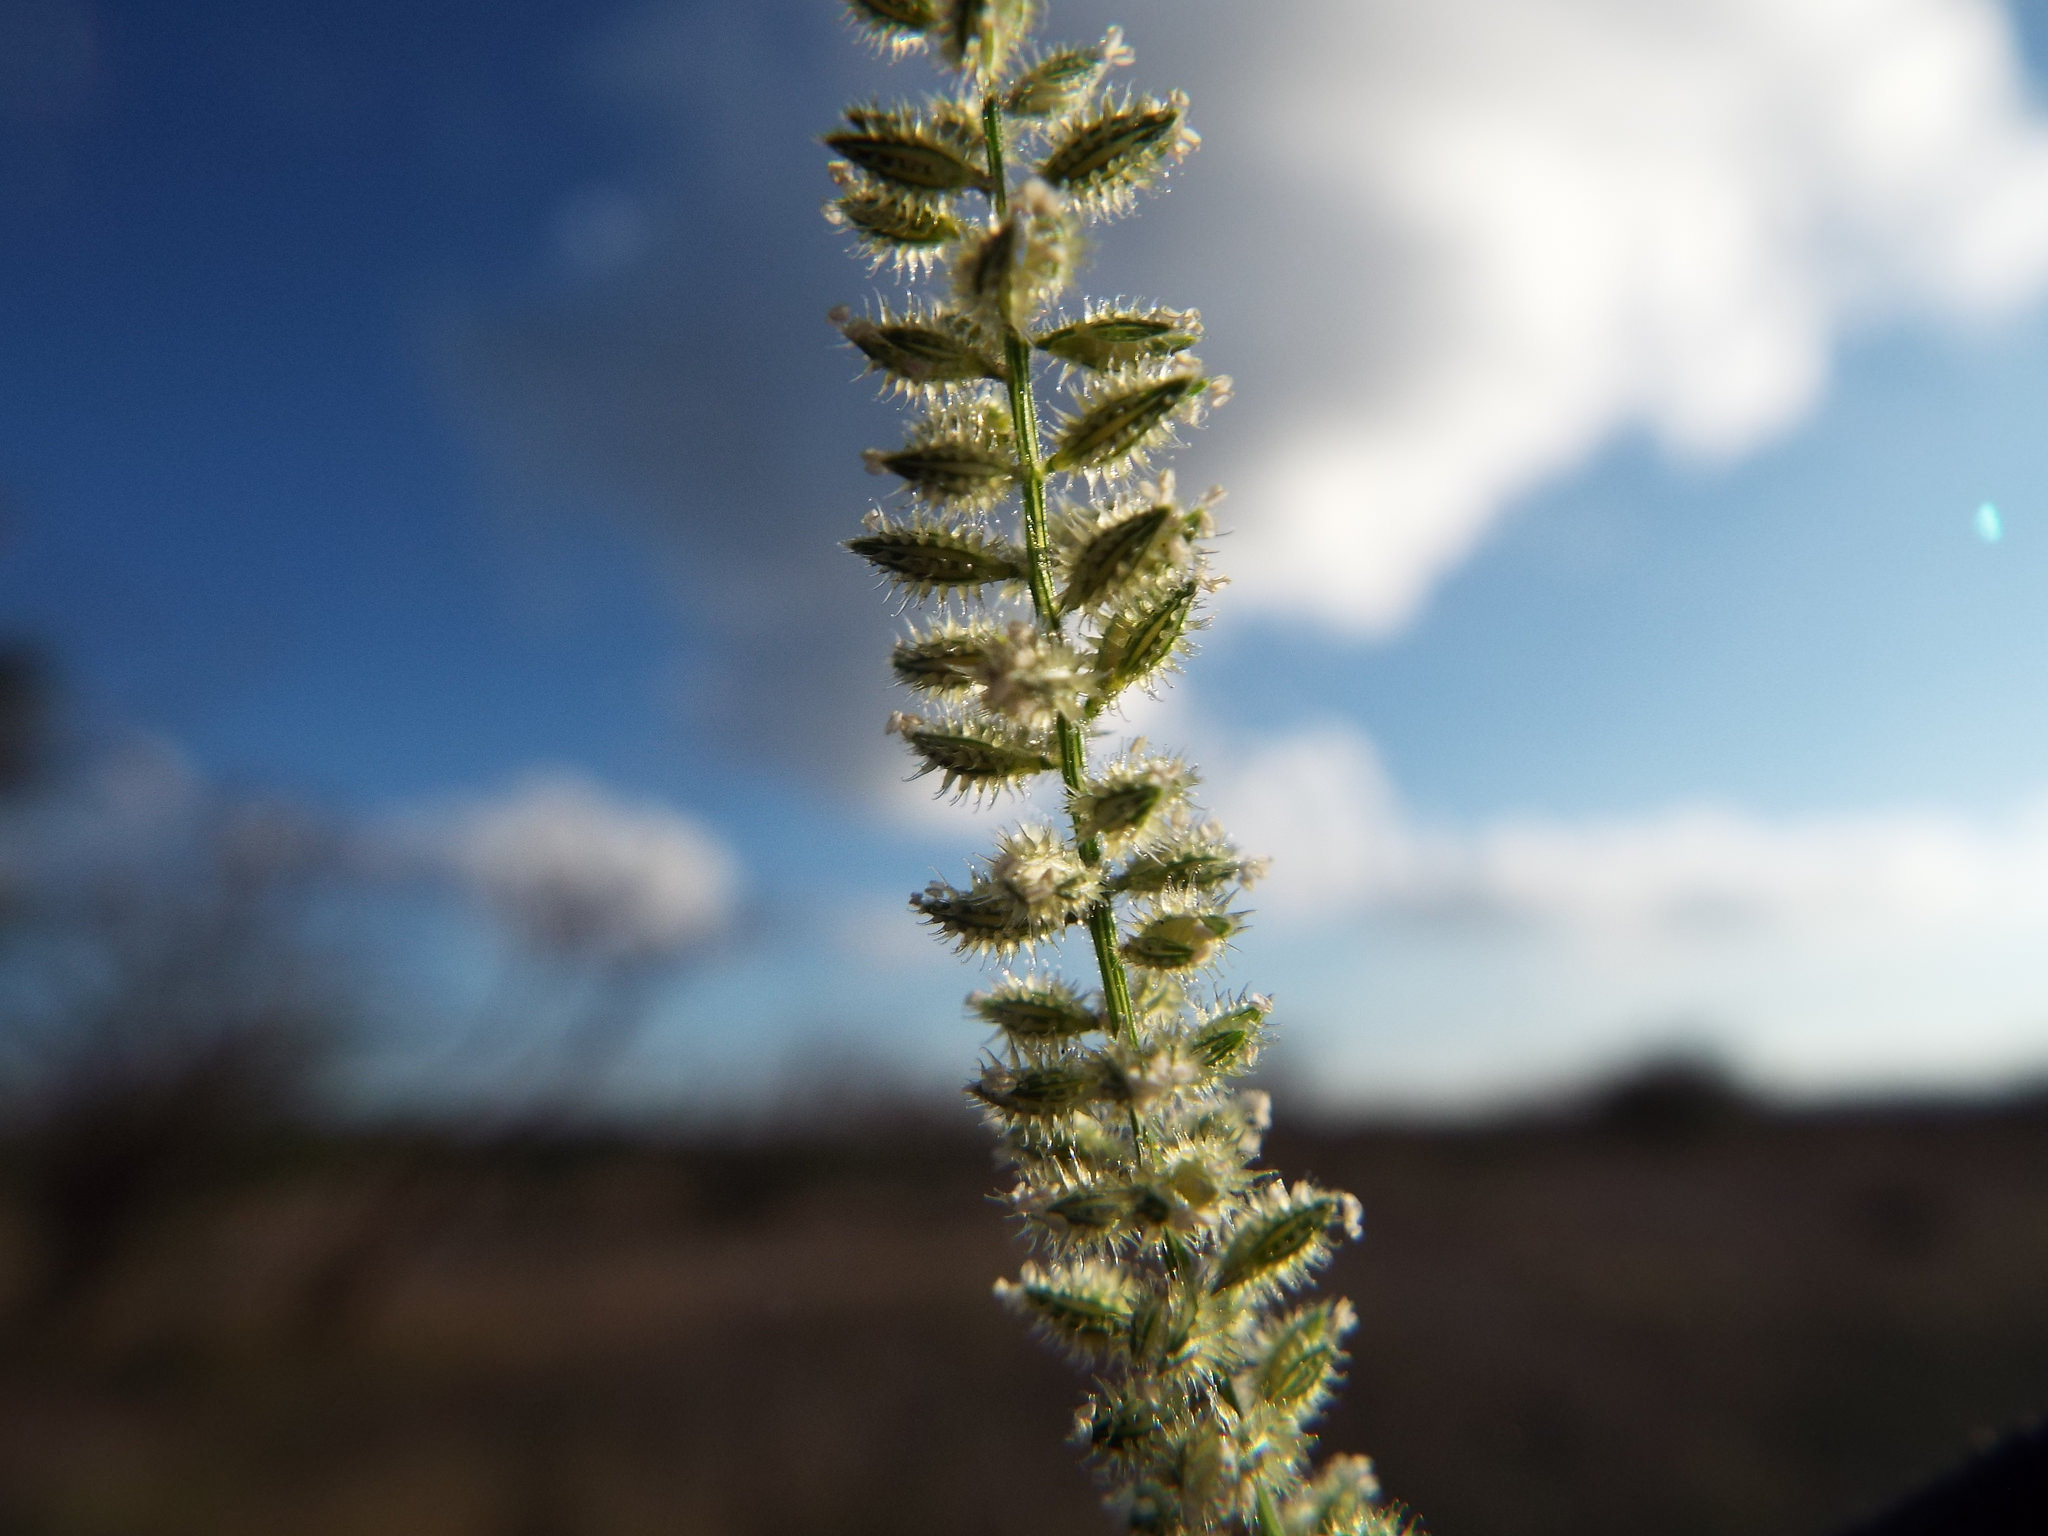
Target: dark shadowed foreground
(1673,1315)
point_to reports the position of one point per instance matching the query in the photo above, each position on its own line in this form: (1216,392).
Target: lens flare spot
(1990,526)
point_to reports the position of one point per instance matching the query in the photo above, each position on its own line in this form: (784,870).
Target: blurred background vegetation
(241,1296)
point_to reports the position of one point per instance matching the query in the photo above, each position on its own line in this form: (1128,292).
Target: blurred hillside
(1668,1311)
(231,1303)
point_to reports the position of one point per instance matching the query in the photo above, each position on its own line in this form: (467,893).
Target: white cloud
(576,869)
(1546,222)
(1322,806)
(1433,960)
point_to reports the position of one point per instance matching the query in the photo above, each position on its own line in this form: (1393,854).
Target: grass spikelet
(1113,337)
(972,756)
(926,154)
(1104,160)
(926,559)
(919,350)
(1120,421)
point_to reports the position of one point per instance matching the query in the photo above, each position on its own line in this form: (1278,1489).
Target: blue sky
(404,402)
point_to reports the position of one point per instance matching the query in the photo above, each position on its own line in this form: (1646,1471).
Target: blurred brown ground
(1672,1315)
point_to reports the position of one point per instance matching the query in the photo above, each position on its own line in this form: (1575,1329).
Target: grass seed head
(1130,1152)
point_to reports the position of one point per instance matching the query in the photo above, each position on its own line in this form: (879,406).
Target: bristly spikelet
(1020,264)
(1132,801)
(1114,336)
(1042,874)
(1227,1038)
(1036,1008)
(926,559)
(891,227)
(1108,553)
(1044,1089)
(919,350)
(1103,160)
(957,456)
(1183,933)
(1283,1234)
(1120,419)
(1189,856)
(1030,678)
(895,26)
(1145,637)
(1060,81)
(978,37)
(1084,1308)
(1295,1357)
(1149,1076)
(1167,1253)
(972,754)
(943,658)
(1337,1501)
(1028,890)
(1080,1215)
(1096,1214)
(931,154)
(1344,1500)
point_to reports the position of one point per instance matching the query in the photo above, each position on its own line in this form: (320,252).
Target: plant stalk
(1116,986)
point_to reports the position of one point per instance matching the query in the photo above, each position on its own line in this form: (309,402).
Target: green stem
(1116,986)
(1267,1521)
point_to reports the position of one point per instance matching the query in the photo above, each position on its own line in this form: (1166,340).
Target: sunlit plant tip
(1053,579)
